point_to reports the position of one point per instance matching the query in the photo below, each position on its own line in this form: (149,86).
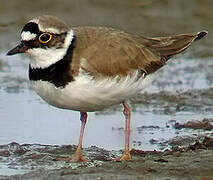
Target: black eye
(45,37)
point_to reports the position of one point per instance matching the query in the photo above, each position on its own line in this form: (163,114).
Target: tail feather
(201,34)
(169,46)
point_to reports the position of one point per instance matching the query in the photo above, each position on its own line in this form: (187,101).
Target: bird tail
(169,46)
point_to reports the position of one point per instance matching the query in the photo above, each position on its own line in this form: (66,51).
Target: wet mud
(204,124)
(43,162)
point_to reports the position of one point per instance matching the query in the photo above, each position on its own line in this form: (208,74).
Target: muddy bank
(191,162)
(165,102)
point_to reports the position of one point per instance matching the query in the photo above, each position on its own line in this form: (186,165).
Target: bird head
(45,40)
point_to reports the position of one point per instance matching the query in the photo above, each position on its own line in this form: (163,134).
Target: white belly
(85,94)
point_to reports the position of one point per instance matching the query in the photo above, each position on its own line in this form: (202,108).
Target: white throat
(43,58)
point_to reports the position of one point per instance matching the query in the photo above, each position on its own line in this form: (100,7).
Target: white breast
(85,94)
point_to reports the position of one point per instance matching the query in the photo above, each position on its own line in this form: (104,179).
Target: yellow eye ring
(45,38)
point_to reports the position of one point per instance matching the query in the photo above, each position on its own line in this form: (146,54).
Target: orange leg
(126,154)
(78,157)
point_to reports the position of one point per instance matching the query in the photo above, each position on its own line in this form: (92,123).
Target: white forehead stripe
(27,36)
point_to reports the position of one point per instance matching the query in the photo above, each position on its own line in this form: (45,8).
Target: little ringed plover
(88,69)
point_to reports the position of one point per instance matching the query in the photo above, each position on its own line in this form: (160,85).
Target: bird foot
(75,158)
(78,158)
(125,157)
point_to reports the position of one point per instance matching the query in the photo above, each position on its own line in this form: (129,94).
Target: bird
(88,68)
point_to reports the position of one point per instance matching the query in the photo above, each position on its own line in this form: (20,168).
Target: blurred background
(183,91)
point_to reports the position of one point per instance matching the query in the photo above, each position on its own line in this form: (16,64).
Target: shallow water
(182,92)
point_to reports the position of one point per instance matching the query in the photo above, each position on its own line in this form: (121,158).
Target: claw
(126,156)
(77,157)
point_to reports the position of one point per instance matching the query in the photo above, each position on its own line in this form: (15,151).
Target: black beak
(21,48)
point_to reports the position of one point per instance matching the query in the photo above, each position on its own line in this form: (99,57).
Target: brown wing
(169,46)
(108,52)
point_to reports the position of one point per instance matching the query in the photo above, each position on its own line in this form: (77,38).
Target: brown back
(108,52)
